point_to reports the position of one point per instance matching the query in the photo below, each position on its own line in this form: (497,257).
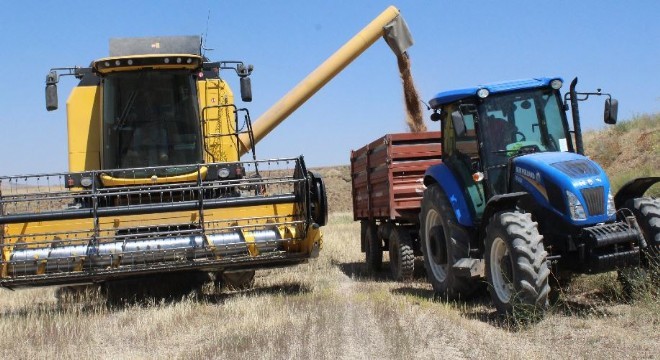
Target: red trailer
(387,192)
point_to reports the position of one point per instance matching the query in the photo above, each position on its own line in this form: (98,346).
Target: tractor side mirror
(51,91)
(246,89)
(459,123)
(435,116)
(611,110)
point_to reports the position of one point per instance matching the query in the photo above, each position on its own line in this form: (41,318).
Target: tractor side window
(554,122)
(466,143)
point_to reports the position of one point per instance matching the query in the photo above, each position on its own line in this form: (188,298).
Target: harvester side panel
(386,175)
(218,120)
(83,121)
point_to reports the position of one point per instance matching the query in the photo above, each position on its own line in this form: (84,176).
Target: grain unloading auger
(155,182)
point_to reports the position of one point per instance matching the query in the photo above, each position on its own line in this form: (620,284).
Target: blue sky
(611,45)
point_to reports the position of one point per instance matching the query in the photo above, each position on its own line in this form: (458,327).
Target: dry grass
(329,308)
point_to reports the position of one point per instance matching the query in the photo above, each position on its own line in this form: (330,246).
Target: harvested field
(329,308)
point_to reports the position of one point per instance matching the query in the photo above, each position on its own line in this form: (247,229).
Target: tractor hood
(550,176)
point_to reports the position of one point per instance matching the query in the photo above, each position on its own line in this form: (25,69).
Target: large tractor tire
(647,277)
(373,248)
(647,213)
(443,243)
(516,265)
(402,257)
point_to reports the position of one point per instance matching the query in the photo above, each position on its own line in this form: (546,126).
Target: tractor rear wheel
(402,257)
(443,243)
(647,277)
(647,213)
(373,248)
(516,265)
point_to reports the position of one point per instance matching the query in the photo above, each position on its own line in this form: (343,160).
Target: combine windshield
(519,123)
(150,119)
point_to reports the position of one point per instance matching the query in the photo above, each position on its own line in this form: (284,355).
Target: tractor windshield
(518,123)
(150,119)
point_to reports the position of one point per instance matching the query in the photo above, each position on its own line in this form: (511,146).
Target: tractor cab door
(460,152)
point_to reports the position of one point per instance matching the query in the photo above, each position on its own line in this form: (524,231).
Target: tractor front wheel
(516,265)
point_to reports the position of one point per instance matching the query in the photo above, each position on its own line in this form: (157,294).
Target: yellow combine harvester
(156,183)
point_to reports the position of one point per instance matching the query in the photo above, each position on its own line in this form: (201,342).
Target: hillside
(627,150)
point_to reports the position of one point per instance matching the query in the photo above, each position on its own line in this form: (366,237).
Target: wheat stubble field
(331,308)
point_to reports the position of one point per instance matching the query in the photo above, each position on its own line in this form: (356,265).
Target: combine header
(156,183)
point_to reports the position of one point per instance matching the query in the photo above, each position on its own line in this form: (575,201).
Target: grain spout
(414,118)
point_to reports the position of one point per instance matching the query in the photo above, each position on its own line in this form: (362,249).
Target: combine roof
(446,97)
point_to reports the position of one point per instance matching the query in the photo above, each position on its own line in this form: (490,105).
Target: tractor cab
(486,128)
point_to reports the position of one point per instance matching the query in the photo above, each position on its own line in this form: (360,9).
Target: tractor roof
(446,97)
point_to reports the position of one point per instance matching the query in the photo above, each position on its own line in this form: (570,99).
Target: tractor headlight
(575,207)
(611,208)
(556,84)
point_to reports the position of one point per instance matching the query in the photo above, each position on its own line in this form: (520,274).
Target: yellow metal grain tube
(325,72)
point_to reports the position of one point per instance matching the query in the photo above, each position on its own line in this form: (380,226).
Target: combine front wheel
(236,280)
(516,266)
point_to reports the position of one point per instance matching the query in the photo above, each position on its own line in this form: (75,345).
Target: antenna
(206,34)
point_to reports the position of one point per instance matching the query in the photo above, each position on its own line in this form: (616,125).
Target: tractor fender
(500,203)
(634,189)
(444,177)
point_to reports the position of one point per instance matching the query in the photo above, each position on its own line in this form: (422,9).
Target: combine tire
(373,249)
(516,266)
(236,280)
(402,257)
(443,243)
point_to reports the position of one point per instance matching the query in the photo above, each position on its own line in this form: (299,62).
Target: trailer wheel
(373,248)
(402,257)
(443,243)
(516,265)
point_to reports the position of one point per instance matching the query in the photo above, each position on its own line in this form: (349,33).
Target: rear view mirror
(246,89)
(459,123)
(51,91)
(611,110)
(51,97)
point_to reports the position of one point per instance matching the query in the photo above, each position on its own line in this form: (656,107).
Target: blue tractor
(515,197)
